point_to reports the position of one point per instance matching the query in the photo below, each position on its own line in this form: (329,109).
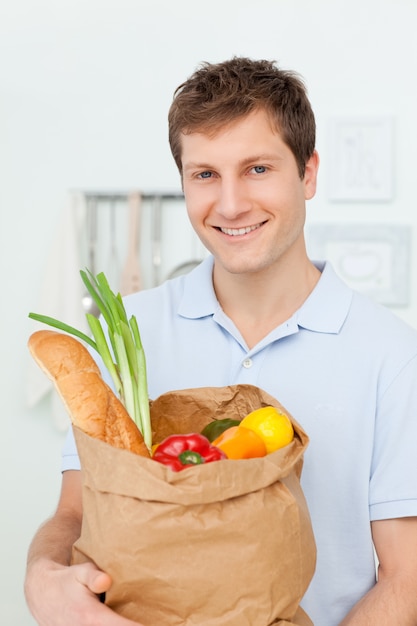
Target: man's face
(244,195)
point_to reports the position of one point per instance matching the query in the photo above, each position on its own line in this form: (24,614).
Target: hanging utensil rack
(139,249)
(115,195)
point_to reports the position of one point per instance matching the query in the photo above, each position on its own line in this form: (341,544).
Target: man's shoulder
(191,295)
(150,300)
(382,334)
(364,309)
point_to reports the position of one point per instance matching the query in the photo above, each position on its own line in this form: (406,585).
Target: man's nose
(233,198)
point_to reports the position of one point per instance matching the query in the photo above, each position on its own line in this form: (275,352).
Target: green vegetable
(128,366)
(215,428)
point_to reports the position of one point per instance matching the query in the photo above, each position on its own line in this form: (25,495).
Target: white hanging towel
(60,297)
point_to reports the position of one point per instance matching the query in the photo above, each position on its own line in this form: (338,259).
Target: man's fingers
(99,582)
(93,578)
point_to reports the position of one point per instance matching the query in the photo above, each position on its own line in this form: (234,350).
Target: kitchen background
(85,86)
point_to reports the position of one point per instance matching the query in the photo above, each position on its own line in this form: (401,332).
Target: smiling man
(259,311)
(246,202)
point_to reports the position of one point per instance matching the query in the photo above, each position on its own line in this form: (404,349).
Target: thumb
(100,582)
(93,578)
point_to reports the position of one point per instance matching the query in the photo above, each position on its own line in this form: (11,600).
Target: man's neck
(258,303)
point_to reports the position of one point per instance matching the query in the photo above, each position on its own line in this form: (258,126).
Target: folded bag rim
(138,477)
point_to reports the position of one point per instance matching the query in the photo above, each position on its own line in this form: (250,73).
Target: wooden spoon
(131,274)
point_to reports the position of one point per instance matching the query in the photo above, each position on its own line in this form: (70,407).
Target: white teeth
(239,231)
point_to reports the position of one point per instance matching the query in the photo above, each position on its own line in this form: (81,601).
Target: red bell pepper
(181,451)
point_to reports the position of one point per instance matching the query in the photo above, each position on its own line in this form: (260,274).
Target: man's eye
(205,175)
(259,169)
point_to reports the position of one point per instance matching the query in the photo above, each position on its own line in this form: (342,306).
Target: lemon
(272,426)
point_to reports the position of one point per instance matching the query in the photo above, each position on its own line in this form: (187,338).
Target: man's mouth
(240,231)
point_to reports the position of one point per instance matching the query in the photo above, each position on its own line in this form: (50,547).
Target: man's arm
(393,600)
(56,536)
(59,594)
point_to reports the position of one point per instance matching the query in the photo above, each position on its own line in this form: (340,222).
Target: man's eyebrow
(265,156)
(193,165)
(256,158)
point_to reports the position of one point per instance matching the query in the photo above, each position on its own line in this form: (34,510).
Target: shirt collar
(199,298)
(327,307)
(325,310)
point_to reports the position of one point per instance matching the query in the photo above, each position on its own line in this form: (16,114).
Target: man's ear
(310,175)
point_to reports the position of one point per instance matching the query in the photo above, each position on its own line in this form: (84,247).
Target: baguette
(90,402)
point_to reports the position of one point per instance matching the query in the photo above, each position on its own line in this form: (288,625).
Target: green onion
(127,367)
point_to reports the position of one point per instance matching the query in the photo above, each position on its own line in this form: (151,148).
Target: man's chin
(241,267)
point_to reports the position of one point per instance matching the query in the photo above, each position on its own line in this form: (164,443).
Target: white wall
(84,90)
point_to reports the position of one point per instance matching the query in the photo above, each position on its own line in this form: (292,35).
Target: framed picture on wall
(360,159)
(371,258)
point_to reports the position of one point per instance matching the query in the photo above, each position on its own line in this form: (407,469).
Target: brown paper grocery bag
(227,543)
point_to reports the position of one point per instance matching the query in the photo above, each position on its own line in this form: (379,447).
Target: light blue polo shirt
(346,369)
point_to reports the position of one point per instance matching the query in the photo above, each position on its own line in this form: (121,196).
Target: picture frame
(360,159)
(373,259)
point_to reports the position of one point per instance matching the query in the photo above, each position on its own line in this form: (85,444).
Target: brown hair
(217,94)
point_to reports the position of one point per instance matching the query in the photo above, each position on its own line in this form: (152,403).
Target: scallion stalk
(127,366)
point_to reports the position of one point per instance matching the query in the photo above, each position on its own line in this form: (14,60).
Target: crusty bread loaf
(90,402)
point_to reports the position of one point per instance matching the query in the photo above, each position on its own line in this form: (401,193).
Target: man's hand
(61,595)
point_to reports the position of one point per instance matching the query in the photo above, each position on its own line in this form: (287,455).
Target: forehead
(254,129)
(213,128)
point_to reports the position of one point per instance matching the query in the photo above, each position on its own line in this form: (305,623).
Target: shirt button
(247,363)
